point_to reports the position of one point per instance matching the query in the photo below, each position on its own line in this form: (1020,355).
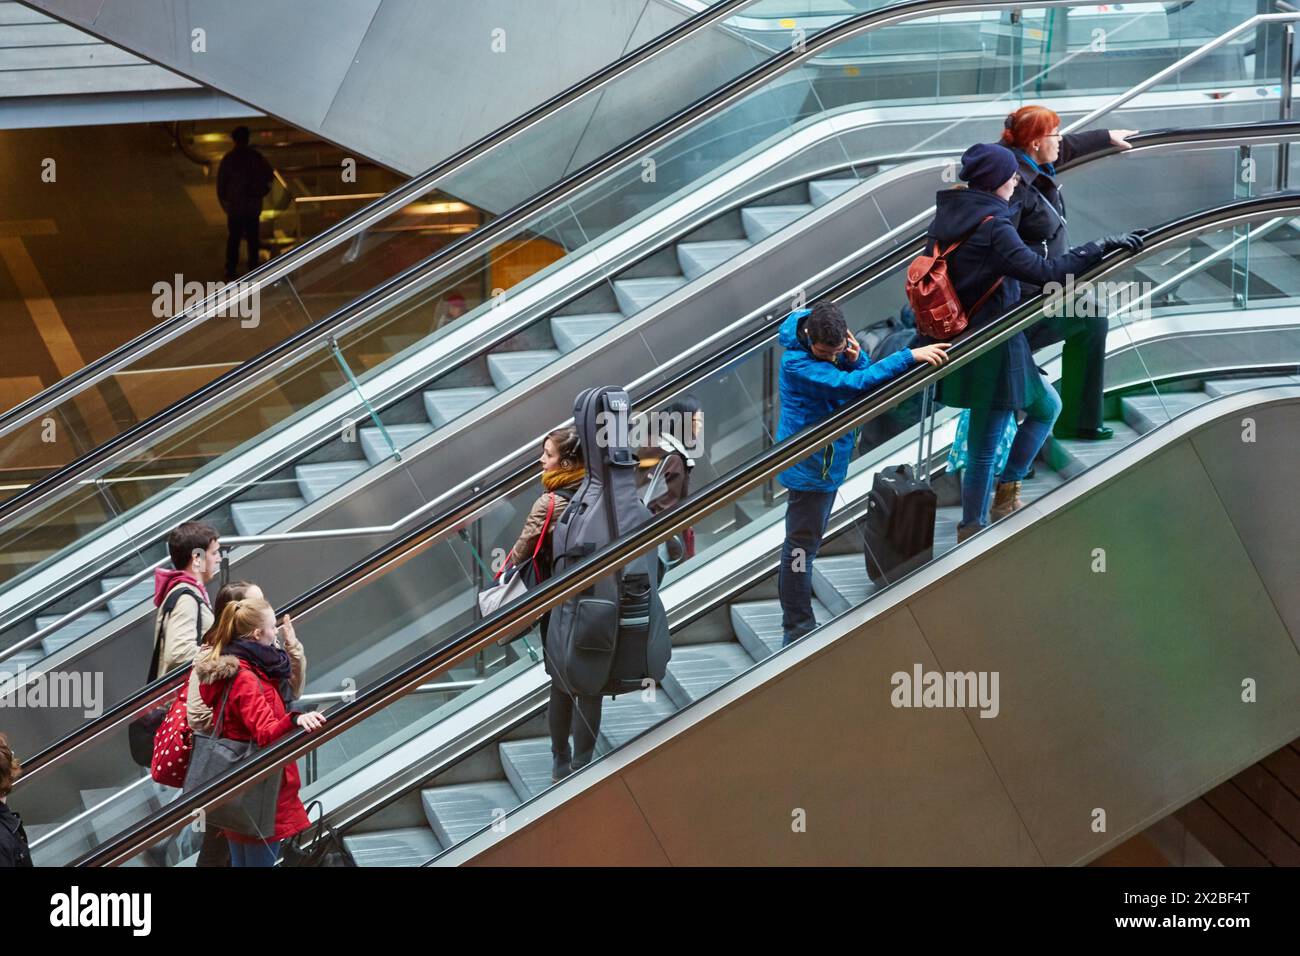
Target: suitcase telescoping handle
(925,434)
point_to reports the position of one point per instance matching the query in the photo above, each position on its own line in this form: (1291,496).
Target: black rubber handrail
(437,526)
(726,489)
(362,218)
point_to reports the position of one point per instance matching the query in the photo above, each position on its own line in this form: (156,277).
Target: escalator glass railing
(732,412)
(721,500)
(602,240)
(223,328)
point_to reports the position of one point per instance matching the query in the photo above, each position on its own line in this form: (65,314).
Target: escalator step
(840,581)
(409,846)
(698,258)
(510,368)
(527,764)
(570,331)
(376,447)
(1219,387)
(1074,456)
(628,715)
(319,479)
(254,517)
(459,811)
(70,631)
(135,594)
(445,405)
(21,661)
(762,221)
(1146,412)
(700,669)
(636,294)
(757,624)
(822,191)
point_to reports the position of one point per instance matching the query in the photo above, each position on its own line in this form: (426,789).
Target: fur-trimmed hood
(212,670)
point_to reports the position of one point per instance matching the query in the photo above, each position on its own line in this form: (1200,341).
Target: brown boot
(1006,499)
(964,531)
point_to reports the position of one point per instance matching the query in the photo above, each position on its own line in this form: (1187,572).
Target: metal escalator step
(1219,387)
(701,668)
(408,846)
(135,594)
(945,526)
(320,478)
(760,222)
(527,764)
(510,368)
(697,258)
(628,715)
(1275,263)
(445,405)
(570,331)
(21,661)
(636,294)
(1145,412)
(70,631)
(822,191)
(1074,456)
(461,810)
(840,581)
(1195,288)
(254,517)
(757,625)
(376,447)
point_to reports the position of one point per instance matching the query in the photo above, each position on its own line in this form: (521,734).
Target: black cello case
(611,638)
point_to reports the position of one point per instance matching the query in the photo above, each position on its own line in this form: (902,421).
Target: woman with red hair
(1033,134)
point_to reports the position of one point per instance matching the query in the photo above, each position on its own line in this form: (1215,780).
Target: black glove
(1131,241)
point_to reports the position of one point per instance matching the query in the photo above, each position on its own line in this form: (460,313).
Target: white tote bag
(508,587)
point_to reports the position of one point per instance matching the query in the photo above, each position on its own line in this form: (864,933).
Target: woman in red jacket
(245,660)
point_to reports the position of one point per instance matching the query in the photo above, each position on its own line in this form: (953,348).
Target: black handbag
(141,731)
(252,812)
(318,845)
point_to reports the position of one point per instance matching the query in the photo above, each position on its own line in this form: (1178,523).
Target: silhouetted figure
(243,178)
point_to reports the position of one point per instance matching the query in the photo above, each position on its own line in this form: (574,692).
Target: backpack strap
(940,255)
(984,298)
(160,628)
(979,303)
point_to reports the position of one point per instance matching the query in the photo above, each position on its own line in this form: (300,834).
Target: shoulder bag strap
(221,714)
(546,523)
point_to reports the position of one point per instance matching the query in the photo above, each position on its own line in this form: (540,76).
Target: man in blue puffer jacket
(822,369)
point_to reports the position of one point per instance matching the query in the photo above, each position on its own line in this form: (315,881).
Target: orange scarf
(563,477)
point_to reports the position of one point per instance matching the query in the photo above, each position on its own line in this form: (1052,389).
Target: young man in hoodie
(196,558)
(822,369)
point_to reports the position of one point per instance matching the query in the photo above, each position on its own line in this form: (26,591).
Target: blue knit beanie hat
(987,166)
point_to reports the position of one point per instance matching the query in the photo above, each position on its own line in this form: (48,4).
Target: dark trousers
(1083,368)
(806,514)
(242,227)
(582,720)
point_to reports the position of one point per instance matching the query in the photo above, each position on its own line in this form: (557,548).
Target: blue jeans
(806,514)
(254,854)
(986,425)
